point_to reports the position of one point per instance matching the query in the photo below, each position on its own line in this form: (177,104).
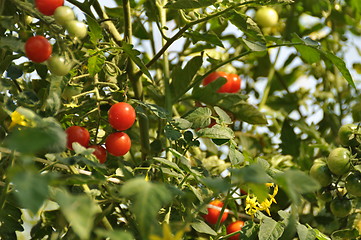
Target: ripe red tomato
(121,116)
(100,153)
(38,49)
(214,76)
(118,144)
(213,213)
(77,134)
(235,82)
(234,227)
(47,7)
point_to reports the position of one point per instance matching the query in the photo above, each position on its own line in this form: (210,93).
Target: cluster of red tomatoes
(38,49)
(121,116)
(214,212)
(232,85)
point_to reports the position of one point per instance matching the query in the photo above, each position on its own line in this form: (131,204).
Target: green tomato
(58,65)
(77,29)
(339,161)
(321,173)
(345,135)
(266,17)
(70,91)
(324,195)
(63,15)
(341,207)
(353,184)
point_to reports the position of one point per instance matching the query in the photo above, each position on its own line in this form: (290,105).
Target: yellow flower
(167,234)
(252,205)
(18,119)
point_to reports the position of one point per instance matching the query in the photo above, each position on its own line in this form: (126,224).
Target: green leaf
(181,78)
(31,188)
(10,218)
(345,234)
(155,109)
(217,185)
(270,229)
(234,155)
(216,132)
(340,64)
(133,55)
(308,54)
(79,210)
(254,173)
(289,181)
(114,234)
(223,116)
(206,37)
(254,46)
(189,4)
(147,199)
(12,43)
(167,163)
(202,227)
(95,30)
(171,133)
(305,233)
(200,117)
(289,136)
(95,64)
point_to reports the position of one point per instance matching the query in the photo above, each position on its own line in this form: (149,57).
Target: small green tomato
(59,66)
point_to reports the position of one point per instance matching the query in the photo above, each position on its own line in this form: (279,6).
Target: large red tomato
(214,76)
(234,227)
(38,49)
(47,7)
(235,82)
(213,213)
(77,134)
(121,116)
(100,153)
(118,144)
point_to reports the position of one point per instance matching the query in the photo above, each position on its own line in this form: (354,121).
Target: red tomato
(213,213)
(47,7)
(118,144)
(38,49)
(214,76)
(77,134)
(235,82)
(234,227)
(121,116)
(100,153)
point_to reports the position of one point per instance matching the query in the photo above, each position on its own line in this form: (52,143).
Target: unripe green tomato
(266,17)
(353,184)
(58,65)
(70,91)
(341,207)
(324,194)
(321,173)
(63,15)
(345,135)
(339,161)
(77,29)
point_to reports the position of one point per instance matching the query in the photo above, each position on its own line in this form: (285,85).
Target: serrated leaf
(182,123)
(155,109)
(200,117)
(12,43)
(167,163)
(79,210)
(95,64)
(133,55)
(254,46)
(189,4)
(216,132)
(206,37)
(305,233)
(217,185)
(181,78)
(270,229)
(95,30)
(223,116)
(171,133)
(202,227)
(147,199)
(345,234)
(254,173)
(235,156)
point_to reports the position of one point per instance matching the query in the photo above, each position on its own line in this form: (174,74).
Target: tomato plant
(353,184)
(214,213)
(121,116)
(47,7)
(341,207)
(58,65)
(346,134)
(77,29)
(339,161)
(38,49)
(235,227)
(100,152)
(266,17)
(77,134)
(63,15)
(118,144)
